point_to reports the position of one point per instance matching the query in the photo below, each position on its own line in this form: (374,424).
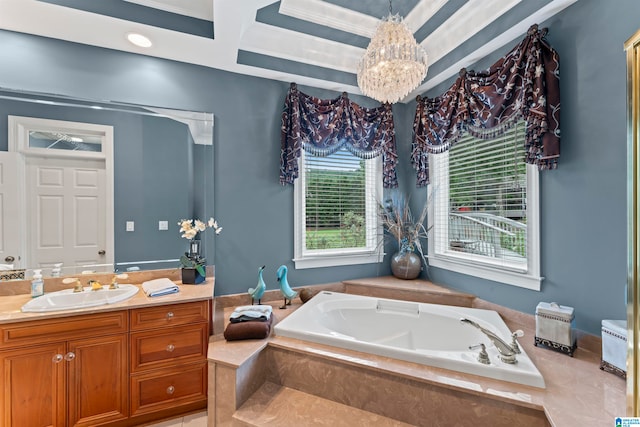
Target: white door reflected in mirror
(68,188)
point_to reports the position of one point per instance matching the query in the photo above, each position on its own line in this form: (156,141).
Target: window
(484,210)
(335,218)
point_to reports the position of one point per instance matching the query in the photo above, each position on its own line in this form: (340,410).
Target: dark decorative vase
(190,276)
(406,265)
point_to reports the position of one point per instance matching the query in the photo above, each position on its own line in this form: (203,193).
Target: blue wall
(583,202)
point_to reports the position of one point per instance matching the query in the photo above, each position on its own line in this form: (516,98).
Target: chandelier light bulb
(394,64)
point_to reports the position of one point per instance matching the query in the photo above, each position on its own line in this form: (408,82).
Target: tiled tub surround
(292,382)
(429,334)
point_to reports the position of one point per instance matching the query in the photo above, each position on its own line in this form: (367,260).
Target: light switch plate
(130,225)
(163,225)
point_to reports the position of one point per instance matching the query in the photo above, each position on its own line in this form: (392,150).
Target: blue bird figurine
(285,289)
(257,292)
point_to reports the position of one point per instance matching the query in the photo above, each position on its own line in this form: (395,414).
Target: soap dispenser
(37,285)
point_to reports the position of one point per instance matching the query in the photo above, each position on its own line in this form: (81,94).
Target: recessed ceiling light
(139,40)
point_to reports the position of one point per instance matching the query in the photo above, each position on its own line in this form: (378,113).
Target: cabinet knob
(170,348)
(57,358)
(170,315)
(69,356)
(171,389)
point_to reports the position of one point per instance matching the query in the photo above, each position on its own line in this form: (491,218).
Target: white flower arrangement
(191,227)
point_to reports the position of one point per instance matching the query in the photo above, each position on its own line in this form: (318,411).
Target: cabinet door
(98,380)
(32,391)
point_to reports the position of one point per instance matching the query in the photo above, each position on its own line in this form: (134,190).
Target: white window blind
(482,206)
(336,207)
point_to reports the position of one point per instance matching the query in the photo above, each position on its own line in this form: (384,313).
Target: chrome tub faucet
(507,351)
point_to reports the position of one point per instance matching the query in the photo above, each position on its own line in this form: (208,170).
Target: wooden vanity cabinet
(65,372)
(120,368)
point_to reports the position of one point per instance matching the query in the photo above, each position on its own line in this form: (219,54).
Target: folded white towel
(263,308)
(251,312)
(4,267)
(159,287)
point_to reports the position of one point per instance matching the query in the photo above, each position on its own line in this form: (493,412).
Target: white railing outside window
(484,213)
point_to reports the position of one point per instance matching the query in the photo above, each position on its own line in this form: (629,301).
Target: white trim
(201,9)
(521,280)
(337,260)
(440,257)
(335,257)
(235,18)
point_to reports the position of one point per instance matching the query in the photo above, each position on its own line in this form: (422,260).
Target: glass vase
(406,265)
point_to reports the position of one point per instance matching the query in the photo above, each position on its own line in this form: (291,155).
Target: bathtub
(429,334)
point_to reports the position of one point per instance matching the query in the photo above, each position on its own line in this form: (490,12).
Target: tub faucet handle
(514,344)
(507,355)
(483,356)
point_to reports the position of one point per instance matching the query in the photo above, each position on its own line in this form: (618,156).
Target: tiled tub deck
(282,381)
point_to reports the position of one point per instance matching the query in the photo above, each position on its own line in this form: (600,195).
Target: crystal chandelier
(394,63)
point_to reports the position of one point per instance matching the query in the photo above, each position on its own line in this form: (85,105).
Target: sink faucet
(507,352)
(77,287)
(114,281)
(95,285)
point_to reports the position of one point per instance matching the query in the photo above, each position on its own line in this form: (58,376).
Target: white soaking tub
(429,334)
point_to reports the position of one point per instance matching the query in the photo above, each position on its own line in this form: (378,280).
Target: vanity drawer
(158,390)
(169,315)
(62,329)
(167,347)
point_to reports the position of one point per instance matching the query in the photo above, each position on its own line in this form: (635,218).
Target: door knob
(102,252)
(9,259)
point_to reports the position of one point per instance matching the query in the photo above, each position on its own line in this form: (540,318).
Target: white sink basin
(69,300)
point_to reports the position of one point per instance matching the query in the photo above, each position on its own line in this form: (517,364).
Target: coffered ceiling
(312,42)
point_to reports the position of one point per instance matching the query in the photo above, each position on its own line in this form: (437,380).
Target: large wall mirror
(99,186)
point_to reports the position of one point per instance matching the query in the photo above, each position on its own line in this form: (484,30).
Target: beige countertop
(10,304)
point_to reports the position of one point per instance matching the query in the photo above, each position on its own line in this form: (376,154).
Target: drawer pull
(69,356)
(170,315)
(171,389)
(170,348)
(57,358)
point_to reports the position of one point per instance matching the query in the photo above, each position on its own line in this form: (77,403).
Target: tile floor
(193,420)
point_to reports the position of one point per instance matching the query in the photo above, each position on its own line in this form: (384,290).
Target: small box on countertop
(614,347)
(554,327)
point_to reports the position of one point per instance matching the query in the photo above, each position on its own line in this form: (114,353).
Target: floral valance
(524,84)
(322,127)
